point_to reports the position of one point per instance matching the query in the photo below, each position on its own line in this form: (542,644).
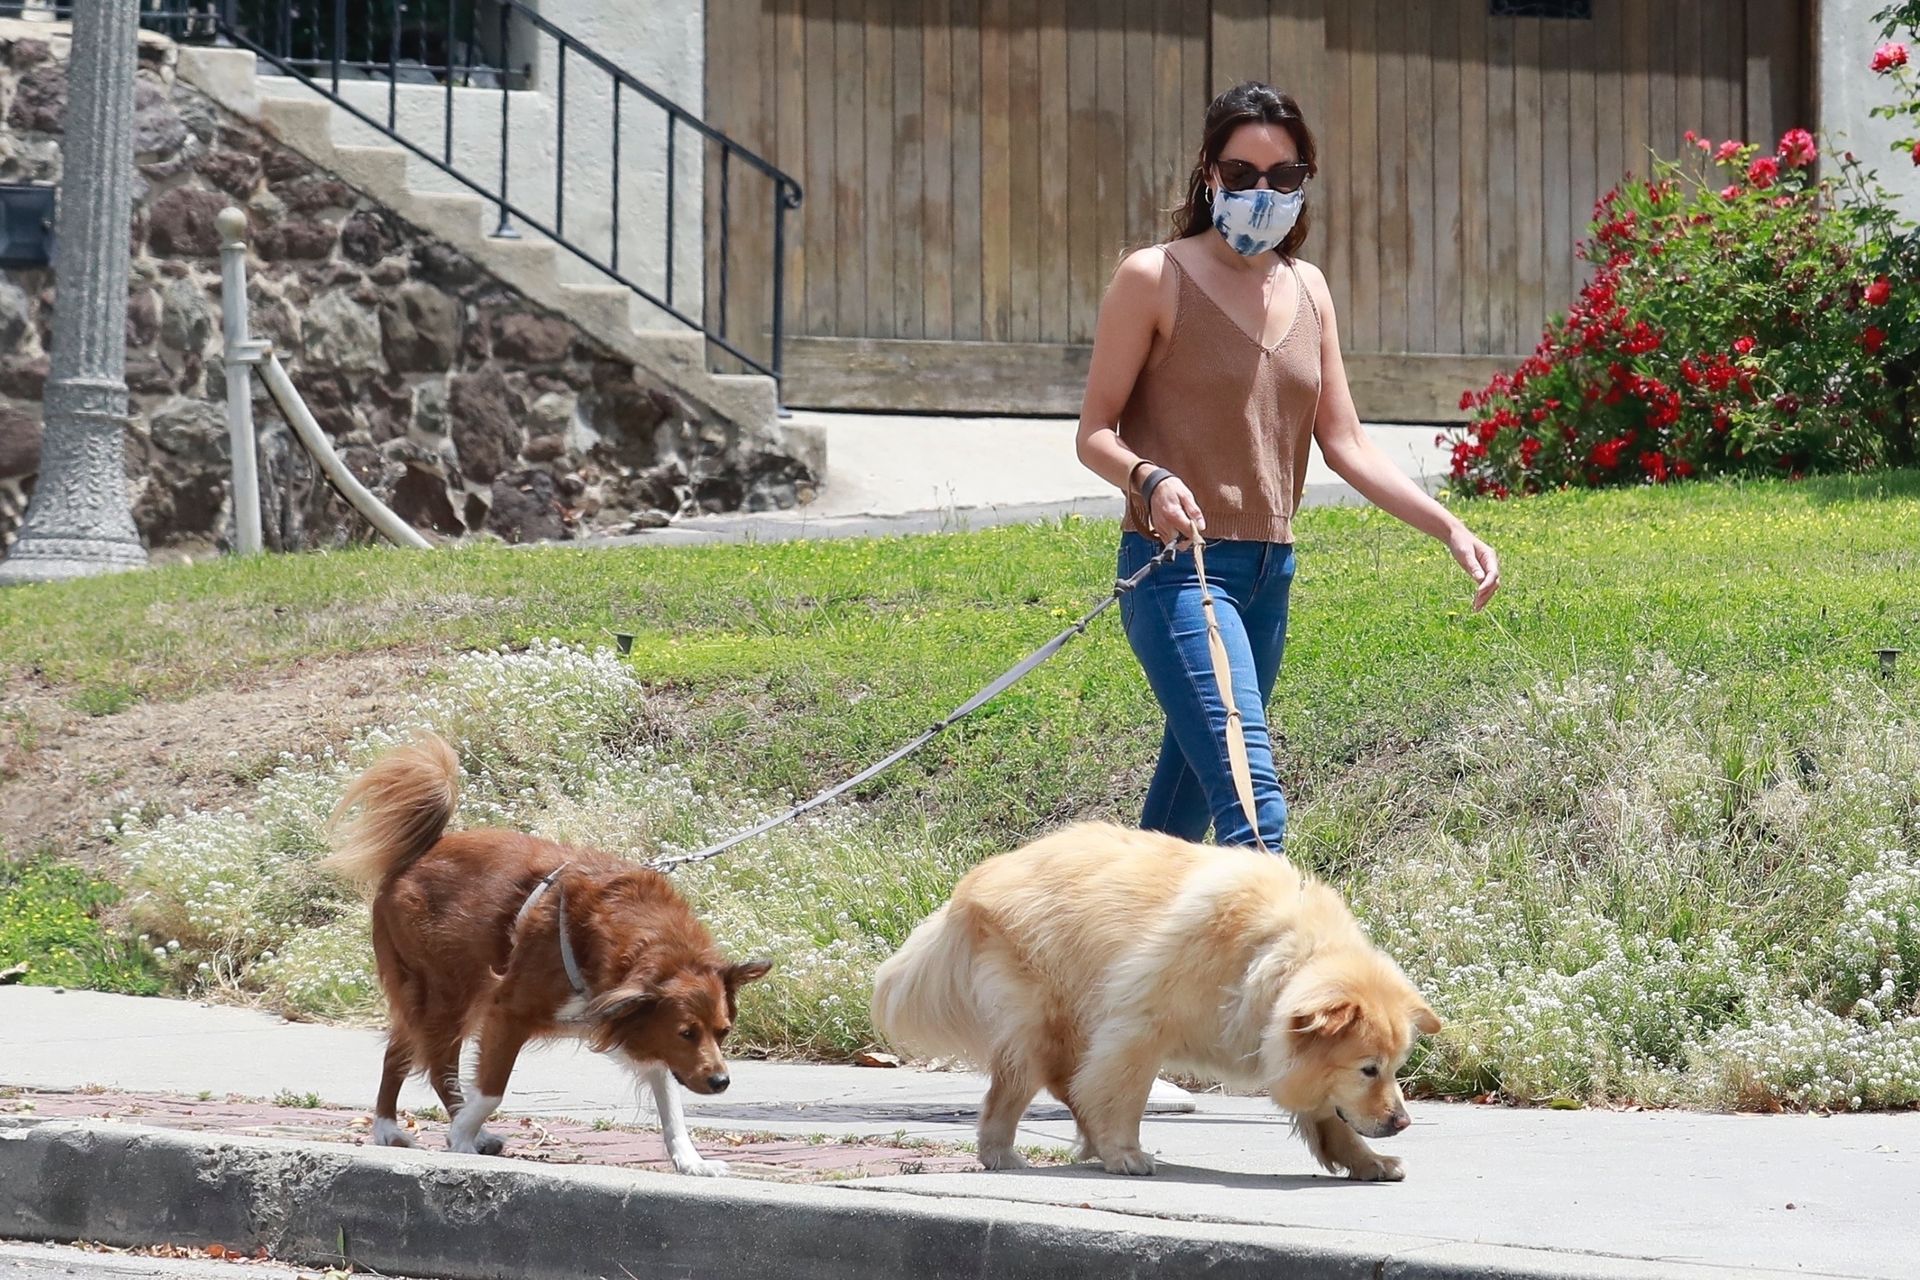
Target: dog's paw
(1007,1158)
(700,1167)
(388,1133)
(1128,1160)
(483,1143)
(1379,1169)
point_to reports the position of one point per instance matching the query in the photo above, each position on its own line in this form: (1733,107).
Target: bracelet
(1134,470)
(1155,478)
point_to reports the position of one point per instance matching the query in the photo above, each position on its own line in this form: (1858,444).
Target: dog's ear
(623,1001)
(1330,1015)
(1425,1020)
(740,974)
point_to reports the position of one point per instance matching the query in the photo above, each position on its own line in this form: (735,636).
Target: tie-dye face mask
(1255,221)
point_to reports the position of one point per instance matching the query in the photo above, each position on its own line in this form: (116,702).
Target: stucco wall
(1848,90)
(659,42)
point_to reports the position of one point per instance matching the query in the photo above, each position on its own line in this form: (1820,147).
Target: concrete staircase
(541,270)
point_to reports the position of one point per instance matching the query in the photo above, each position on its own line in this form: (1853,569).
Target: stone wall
(463,405)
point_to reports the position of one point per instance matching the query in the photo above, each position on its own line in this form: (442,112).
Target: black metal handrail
(325,44)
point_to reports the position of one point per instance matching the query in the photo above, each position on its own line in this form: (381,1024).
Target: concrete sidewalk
(1800,1194)
(897,474)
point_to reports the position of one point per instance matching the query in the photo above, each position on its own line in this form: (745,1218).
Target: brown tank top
(1231,418)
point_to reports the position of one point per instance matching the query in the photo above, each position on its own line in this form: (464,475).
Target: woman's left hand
(1477,558)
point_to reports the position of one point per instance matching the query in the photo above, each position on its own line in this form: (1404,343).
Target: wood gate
(974,168)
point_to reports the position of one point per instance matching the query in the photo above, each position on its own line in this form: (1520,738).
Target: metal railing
(475,52)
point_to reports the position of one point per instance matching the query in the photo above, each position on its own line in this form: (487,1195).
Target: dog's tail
(926,997)
(394,812)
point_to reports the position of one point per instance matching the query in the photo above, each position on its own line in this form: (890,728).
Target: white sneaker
(1167,1099)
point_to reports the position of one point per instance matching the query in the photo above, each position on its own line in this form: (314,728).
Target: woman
(1215,361)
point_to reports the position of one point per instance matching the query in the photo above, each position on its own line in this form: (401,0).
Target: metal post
(79,522)
(339,40)
(560,143)
(671,121)
(505,230)
(780,207)
(615,251)
(233,308)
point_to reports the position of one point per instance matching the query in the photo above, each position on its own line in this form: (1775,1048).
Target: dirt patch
(64,772)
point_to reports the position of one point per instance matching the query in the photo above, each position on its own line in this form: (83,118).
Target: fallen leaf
(11,975)
(873,1059)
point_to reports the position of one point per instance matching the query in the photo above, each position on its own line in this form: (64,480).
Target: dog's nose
(1400,1122)
(718,1082)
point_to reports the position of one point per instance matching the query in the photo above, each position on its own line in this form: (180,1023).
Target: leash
(1223,676)
(1000,685)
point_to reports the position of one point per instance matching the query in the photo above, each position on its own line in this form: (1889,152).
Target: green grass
(50,921)
(1638,809)
(788,664)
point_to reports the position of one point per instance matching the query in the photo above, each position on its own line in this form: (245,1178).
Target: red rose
(1763,172)
(1529,450)
(1744,345)
(1729,151)
(1466,399)
(1797,149)
(1731,192)
(1888,56)
(1879,291)
(1916,153)
(1608,453)
(1655,465)
(1681,467)
(1873,339)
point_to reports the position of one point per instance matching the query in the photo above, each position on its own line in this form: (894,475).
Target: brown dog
(1086,961)
(513,938)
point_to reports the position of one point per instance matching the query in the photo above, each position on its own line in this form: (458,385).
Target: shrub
(1764,324)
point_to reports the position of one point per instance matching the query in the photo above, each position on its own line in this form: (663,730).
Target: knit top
(1232,418)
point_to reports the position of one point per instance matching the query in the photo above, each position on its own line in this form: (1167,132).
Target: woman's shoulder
(1144,264)
(1316,282)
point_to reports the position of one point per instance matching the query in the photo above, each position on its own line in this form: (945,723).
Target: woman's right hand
(1174,514)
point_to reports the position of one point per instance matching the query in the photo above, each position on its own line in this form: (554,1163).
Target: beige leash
(1223,676)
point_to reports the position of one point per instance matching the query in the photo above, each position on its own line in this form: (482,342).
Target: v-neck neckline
(1293,322)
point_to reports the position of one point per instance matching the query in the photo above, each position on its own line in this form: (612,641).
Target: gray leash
(1011,677)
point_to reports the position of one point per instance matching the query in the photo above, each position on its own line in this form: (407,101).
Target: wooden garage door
(974,168)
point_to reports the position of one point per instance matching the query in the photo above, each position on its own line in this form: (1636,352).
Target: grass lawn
(1643,829)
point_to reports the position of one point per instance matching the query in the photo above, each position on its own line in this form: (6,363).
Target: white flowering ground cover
(1648,830)
(1605,896)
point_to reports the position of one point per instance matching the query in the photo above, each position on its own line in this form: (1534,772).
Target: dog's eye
(688,1033)
(1370,1070)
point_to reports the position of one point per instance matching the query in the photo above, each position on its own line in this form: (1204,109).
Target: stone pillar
(79,522)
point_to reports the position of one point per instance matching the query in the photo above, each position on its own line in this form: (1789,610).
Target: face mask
(1258,220)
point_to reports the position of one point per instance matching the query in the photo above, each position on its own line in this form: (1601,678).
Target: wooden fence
(974,168)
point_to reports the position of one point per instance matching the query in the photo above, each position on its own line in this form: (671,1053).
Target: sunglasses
(1238,175)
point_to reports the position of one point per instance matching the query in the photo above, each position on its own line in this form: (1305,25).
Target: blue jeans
(1193,783)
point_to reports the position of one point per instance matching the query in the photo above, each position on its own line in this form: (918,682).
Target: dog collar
(568,961)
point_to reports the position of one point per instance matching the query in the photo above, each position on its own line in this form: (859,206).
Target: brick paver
(548,1138)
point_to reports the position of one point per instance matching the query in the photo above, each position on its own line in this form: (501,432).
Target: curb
(425,1213)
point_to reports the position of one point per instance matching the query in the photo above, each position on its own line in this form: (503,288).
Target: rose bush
(1762,323)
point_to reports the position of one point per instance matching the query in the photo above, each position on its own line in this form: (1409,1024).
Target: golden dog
(1087,961)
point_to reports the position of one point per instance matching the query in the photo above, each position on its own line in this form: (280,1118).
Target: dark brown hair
(1249,103)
